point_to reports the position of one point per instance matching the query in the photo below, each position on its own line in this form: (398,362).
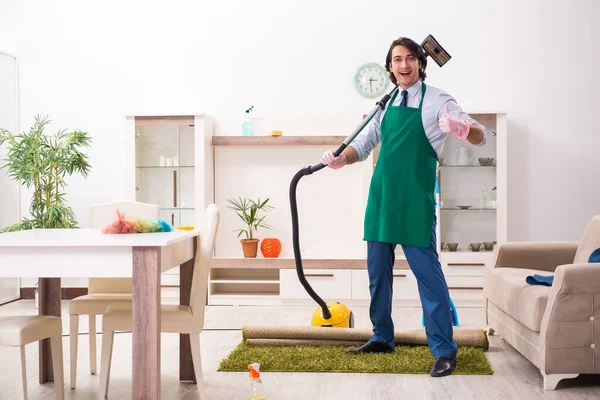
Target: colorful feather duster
(125,225)
(121,225)
(164,226)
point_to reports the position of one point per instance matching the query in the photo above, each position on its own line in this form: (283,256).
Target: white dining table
(52,254)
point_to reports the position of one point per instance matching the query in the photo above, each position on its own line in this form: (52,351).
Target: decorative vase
(270,247)
(250,247)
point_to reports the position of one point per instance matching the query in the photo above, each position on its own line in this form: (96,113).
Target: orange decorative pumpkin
(270,247)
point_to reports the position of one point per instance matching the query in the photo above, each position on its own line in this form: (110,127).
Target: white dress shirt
(434,108)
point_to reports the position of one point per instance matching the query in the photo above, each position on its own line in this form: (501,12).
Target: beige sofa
(557,328)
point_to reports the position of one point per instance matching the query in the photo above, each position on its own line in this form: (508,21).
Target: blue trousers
(433,291)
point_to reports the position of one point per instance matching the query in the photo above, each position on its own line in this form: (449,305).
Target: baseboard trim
(66,293)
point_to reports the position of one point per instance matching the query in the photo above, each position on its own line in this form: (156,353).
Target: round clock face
(371,80)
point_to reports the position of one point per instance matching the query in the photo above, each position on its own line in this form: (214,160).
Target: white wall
(9,189)
(88,65)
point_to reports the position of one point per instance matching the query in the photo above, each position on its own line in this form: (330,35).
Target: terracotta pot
(270,247)
(250,247)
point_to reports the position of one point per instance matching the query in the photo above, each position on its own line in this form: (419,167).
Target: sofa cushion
(508,290)
(590,241)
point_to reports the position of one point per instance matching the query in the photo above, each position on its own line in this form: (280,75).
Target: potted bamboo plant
(42,162)
(248,210)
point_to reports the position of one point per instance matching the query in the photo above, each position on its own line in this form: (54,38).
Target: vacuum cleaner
(333,314)
(336,314)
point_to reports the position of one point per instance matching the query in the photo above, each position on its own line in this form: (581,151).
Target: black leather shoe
(443,366)
(371,347)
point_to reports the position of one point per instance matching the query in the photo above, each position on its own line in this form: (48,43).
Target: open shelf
(253,288)
(277,140)
(244,275)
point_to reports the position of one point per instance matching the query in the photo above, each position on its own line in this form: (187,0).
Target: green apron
(400,207)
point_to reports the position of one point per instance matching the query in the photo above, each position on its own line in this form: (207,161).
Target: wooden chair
(17,331)
(103,292)
(174,318)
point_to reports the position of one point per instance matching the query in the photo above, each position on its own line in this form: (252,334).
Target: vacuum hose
(294,208)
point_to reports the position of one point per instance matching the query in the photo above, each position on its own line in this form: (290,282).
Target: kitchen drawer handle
(466,287)
(320,275)
(466,265)
(399,275)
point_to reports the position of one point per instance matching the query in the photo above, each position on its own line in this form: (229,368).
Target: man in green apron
(401,206)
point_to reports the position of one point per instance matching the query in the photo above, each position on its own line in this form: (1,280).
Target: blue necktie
(404,98)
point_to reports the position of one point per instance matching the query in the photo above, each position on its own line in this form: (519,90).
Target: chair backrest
(590,241)
(102,215)
(204,256)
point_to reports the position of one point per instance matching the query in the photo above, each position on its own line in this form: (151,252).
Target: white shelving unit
(173,168)
(334,257)
(461,185)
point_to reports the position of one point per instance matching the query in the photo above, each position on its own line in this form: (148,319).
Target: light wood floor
(514,377)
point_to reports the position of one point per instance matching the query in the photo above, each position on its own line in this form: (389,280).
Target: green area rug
(404,360)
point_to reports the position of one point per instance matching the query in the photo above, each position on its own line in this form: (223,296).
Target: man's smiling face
(405,67)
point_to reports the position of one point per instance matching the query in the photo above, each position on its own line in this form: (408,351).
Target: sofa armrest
(545,256)
(570,329)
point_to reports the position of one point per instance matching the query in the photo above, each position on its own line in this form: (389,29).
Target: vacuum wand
(294,207)
(379,105)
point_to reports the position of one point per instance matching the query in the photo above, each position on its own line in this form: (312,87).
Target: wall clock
(371,80)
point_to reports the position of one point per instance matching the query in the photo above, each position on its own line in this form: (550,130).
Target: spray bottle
(247,125)
(256,387)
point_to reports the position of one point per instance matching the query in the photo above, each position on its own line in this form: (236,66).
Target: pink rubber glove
(449,124)
(333,162)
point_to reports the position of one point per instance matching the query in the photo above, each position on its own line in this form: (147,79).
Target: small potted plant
(248,210)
